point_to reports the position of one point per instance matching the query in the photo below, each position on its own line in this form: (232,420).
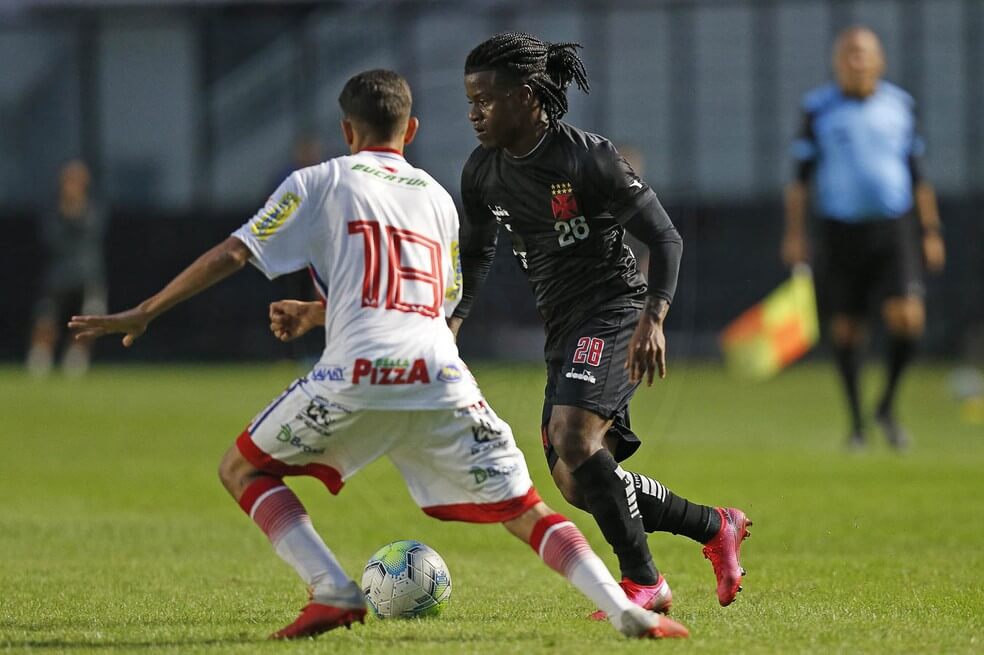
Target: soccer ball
(406,579)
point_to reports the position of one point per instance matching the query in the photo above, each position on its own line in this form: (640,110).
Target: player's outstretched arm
(217,264)
(290,319)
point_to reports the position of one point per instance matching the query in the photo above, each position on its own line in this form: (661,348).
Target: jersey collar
(532,152)
(383,151)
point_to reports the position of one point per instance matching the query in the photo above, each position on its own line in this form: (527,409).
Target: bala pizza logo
(563,203)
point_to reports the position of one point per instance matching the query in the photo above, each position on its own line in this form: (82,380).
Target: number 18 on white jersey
(380,238)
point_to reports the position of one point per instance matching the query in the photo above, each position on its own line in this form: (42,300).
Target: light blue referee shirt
(862,152)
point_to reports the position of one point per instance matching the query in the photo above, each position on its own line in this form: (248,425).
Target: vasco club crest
(563,204)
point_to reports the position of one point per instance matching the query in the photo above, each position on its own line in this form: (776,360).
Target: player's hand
(794,250)
(131,324)
(290,319)
(454,324)
(934,252)
(647,350)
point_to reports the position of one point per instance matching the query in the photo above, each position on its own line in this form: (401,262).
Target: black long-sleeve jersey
(564,207)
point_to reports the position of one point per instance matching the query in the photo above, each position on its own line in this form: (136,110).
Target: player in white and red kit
(379,237)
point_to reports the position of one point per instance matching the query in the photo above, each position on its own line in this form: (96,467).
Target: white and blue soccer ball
(406,579)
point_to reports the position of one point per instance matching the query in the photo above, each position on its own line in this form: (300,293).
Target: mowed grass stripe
(115,535)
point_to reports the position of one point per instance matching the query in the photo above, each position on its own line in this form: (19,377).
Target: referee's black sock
(664,511)
(901,350)
(612,501)
(848,365)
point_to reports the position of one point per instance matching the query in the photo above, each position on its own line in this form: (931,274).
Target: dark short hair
(379,99)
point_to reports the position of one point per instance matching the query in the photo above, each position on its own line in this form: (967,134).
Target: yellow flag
(775,332)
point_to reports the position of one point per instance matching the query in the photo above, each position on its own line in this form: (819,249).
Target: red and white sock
(561,545)
(286,523)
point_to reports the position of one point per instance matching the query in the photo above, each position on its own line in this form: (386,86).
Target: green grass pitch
(116,537)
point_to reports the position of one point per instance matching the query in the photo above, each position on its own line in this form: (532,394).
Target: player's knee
(572,440)
(846,331)
(45,331)
(573,495)
(905,317)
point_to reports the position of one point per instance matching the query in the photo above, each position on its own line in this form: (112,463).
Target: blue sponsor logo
(449,373)
(330,374)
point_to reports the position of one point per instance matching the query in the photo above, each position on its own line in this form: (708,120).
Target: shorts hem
(605,412)
(329,476)
(499,512)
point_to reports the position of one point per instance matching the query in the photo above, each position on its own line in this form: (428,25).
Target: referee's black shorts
(862,264)
(586,369)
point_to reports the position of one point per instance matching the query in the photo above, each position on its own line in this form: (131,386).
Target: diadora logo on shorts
(584,376)
(328,374)
(390,371)
(449,373)
(483,474)
(286,435)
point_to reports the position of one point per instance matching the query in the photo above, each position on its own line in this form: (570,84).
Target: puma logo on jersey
(395,374)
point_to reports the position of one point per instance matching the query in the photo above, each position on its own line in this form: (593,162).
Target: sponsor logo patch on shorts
(317,414)
(583,376)
(486,473)
(486,446)
(286,435)
(450,373)
(328,374)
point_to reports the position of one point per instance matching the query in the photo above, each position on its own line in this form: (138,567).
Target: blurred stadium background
(188,111)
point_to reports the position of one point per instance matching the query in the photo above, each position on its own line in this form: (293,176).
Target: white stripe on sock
(263,496)
(549,531)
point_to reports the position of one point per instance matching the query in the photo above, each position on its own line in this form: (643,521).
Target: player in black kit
(566,198)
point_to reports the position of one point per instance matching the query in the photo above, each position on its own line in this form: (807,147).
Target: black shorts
(862,264)
(587,370)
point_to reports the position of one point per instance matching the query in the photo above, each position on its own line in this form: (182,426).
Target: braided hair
(549,68)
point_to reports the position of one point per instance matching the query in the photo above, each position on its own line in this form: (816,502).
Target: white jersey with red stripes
(381,240)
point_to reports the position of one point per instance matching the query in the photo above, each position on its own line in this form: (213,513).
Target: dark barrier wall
(730,261)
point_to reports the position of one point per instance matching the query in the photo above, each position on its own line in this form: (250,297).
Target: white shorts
(459,464)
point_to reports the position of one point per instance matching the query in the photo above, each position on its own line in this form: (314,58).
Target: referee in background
(859,148)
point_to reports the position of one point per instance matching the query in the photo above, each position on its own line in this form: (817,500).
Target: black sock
(664,511)
(612,502)
(901,350)
(848,365)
